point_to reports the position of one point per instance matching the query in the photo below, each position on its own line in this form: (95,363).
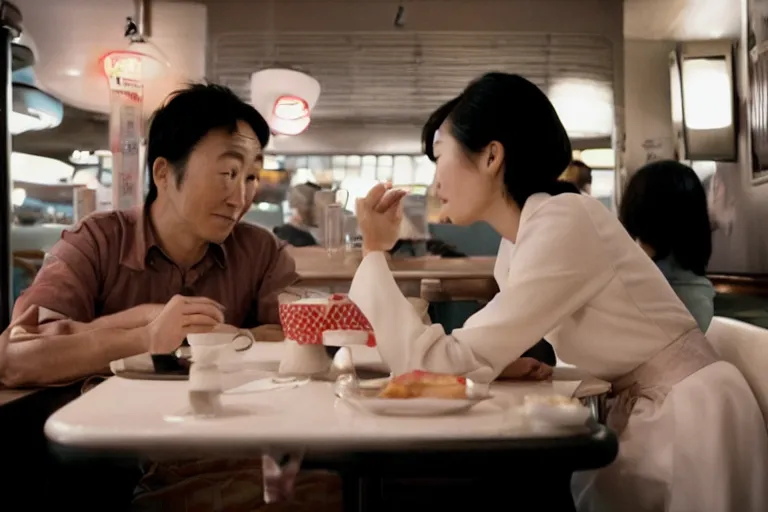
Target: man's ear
(161,172)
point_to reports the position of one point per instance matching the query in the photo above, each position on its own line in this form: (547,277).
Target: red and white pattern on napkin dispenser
(305,320)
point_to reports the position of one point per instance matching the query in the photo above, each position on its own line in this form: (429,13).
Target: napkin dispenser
(305,316)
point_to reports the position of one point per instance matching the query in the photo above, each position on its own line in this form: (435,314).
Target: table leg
(368,494)
(597,407)
(362,494)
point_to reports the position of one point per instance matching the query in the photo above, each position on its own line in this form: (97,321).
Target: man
(126,282)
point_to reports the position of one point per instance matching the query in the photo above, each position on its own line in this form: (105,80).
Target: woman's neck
(504,216)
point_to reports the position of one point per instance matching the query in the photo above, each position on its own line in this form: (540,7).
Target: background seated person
(122,283)
(298,230)
(664,208)
(580,175)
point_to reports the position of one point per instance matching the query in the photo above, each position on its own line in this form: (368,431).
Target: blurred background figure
(300,231)
(580,174)
(664,208)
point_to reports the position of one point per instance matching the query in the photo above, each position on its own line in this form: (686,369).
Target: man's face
(219,184)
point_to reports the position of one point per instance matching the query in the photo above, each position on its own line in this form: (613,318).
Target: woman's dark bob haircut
(665,207)
(515,113)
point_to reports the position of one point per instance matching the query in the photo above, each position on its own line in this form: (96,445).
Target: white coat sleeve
(558,265)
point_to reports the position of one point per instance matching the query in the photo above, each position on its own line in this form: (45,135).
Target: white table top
(153,416)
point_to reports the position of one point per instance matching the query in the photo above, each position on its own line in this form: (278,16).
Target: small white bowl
(566,414)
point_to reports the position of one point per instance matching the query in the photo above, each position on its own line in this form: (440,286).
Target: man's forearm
(60,358)
(138,316)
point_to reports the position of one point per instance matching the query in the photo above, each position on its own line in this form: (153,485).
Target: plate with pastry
(418,393)
(555,410)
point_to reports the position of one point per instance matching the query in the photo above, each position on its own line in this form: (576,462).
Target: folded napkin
(267,384)
(141,363)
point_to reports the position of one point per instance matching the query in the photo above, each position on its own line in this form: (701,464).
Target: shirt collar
(139,240)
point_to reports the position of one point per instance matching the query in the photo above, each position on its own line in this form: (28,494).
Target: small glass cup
(334,231)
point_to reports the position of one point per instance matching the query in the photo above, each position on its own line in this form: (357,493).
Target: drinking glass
(334,231)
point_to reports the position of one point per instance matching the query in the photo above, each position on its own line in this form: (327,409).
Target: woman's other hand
(527,368)
(379,216)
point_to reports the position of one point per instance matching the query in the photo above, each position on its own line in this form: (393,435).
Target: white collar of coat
(531,205)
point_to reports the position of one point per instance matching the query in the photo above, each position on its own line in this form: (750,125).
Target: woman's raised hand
(379,215)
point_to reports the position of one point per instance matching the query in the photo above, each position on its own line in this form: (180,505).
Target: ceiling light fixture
(33,109)
(285,97)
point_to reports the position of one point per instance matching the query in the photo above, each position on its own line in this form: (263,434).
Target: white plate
(413,406)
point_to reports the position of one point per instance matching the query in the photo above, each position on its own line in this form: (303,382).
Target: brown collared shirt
(111,262)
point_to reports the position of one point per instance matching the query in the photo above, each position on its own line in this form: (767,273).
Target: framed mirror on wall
(757,97)
(703,101)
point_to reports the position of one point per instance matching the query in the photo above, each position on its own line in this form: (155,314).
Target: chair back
(746,347)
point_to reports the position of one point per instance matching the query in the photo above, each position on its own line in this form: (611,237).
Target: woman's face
(466,185)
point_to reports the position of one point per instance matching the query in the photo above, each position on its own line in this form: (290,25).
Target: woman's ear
(494,158)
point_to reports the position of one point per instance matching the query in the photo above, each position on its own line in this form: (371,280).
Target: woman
(298,231)
(696,439)
(664,208)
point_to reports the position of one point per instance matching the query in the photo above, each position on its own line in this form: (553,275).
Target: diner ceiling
(400,77)
(682,20)
(372,71)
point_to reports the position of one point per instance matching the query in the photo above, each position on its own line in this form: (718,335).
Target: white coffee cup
(213,347)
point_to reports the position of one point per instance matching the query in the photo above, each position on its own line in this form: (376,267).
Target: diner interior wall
(738,206)
(647,104)
(378,103)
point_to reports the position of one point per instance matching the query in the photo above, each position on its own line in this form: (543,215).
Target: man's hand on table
(527,368)
(180,317)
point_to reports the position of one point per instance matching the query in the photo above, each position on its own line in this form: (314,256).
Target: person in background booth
(664,208)
(580,174)
(298,231)
(691,433)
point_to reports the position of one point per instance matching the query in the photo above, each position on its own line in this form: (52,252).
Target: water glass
(334,230)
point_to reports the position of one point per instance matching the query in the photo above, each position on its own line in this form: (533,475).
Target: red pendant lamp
(285,97)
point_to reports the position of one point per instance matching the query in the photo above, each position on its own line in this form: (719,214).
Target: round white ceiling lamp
(33,109)
(285,97)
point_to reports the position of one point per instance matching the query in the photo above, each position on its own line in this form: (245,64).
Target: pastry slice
(421,384)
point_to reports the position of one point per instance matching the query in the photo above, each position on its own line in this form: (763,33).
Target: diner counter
(429,277)
(314,264)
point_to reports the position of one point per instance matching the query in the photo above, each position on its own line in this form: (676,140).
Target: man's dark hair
(189,115)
